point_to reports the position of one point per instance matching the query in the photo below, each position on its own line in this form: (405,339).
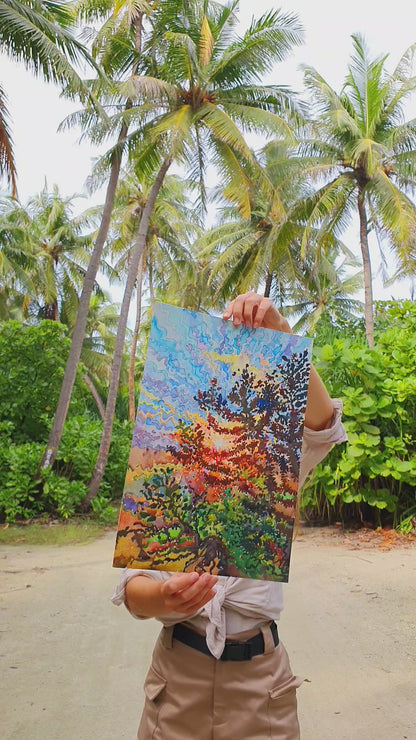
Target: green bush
(60,495)
(19,492)
(61,491)
(32,361)
(377,467)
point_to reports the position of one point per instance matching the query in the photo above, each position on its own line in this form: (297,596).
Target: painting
(214,463)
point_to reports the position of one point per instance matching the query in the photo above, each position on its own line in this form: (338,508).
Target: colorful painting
(214,464)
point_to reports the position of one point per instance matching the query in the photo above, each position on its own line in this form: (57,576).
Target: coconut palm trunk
(88,285)
(132,403)
(151,285)
(96,396)
(119,345)
(82,314)
(368,288)
(268,286)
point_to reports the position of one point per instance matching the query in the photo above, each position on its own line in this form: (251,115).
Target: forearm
(144,597)
(183,594)
(319,408)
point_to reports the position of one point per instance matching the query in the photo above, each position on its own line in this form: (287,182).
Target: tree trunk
(121,332)
(268,286)
(51,310)
(132,404)
(151,284)
(368,288)
(82,314)
(87,289)
(97,398)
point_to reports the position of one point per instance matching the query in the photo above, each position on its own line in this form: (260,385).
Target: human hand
(254,310)
(188,592)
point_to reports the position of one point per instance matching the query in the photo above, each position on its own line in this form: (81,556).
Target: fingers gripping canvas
(214,464)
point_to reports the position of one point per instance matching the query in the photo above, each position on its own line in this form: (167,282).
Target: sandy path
(73,665)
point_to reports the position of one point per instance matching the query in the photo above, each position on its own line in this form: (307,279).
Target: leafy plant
(377,468)
(32,359)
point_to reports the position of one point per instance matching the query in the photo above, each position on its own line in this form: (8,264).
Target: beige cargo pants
(191,696)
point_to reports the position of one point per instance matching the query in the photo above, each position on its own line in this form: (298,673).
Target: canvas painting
(214,463)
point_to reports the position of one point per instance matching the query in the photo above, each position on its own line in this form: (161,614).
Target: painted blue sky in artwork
(186,350)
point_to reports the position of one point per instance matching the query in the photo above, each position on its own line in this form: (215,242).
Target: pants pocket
(154,687)
(282,706)
(290,685)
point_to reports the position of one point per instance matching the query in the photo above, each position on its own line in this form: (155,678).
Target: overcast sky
(37,110)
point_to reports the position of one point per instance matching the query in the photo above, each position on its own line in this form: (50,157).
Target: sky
(36,109)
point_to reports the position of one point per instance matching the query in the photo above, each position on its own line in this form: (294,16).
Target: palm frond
(267,40)
(7,161)
(206,43)
(43,40)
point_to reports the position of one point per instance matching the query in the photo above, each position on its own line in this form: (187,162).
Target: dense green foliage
(377,468)
(33,360)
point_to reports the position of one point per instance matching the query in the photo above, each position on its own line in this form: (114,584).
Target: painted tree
(259,426)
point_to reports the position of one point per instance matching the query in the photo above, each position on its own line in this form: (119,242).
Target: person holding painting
(219,670)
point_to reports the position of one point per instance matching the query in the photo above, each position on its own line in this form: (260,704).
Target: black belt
(233,649)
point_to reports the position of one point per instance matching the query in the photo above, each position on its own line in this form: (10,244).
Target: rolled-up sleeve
(317,444)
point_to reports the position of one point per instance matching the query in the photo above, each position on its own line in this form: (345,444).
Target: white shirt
(242,604)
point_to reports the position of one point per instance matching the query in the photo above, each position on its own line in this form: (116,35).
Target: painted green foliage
(378,387)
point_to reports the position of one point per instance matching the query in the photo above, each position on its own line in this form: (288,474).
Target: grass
(72,532)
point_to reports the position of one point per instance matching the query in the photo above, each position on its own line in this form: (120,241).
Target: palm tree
(47,250)
(39,34)
(365,150)
(98,346)
(17,260)
(123,25)
(173,224)
(326,290)
(201,84)
(263,252)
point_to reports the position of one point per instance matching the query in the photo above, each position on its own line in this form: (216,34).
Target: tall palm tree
(201,85)
(173,224)
(39,34)
(123,32)
(365,151)
(263,252)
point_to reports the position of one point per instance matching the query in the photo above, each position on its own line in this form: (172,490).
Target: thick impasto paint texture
(214,464)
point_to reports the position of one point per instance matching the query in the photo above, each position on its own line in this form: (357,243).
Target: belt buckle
(237,651)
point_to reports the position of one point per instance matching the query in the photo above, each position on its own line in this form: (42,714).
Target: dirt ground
(73,665)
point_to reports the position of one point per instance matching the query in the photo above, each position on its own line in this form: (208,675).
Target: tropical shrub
(19,493)
(32,361)
(61,491)
(376,470)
